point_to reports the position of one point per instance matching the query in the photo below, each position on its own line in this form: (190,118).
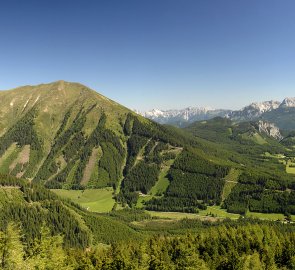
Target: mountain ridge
(254,111)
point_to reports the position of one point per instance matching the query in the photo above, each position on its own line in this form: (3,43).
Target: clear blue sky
(153,53)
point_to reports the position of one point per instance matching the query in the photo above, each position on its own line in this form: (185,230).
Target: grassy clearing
(8,157)
(96,152)
(218,212)
(142,199)
(266,216)
(95,200)
(259,139)
(230,181)
(172,215)
(211,211)
(163,181)
(222,213)
(278,156)
(290,168)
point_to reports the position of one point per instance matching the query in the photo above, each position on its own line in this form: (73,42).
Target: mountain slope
(51,122)
(65,135)
(263,184)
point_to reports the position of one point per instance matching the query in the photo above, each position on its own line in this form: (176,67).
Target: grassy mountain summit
(34,118)
(52,101)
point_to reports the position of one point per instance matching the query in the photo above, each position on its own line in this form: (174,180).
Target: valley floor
(101,201)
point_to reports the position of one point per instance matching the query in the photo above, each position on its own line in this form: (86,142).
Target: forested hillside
(65,136)
(70,137)
(264,184)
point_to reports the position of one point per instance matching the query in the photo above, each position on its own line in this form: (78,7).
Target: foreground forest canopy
(39,230)
(245,245)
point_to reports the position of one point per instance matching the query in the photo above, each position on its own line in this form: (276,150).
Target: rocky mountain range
(185,116)
(268,110)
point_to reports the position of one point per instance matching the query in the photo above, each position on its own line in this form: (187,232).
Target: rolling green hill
(264,183)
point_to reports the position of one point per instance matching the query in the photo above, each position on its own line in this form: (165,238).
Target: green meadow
(95,200)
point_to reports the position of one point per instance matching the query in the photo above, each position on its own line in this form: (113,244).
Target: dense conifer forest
(39,230)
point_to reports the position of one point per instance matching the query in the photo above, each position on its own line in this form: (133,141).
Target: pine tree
(11,249)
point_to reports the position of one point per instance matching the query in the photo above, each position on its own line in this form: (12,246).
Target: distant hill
(264,160)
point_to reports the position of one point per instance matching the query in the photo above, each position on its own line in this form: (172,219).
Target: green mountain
(45,125)
(65,135)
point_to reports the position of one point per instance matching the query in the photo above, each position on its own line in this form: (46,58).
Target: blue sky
(153,53)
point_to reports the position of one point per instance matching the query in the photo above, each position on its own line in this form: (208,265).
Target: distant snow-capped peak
(288,102)
(191,114)
(155,113)
(263,106)
(185,113)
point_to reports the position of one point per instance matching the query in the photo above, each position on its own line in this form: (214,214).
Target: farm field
(95,200)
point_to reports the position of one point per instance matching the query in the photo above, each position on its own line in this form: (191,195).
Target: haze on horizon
(162,54)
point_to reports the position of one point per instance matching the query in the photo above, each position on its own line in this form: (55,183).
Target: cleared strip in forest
(7,153)
(90,166)
(140,153)
(22,158)
(230,181)
(163,182)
